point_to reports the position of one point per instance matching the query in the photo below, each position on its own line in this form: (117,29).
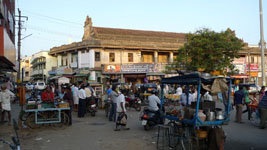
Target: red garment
(48,97)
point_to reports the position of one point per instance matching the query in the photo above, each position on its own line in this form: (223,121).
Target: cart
(35,118)
(192,132)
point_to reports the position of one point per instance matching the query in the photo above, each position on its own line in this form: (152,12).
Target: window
(252,60)
(97,56)
(111,57)
(130,57)
(27,74)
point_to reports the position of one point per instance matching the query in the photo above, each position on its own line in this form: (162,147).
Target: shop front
(81,75)
(131,73)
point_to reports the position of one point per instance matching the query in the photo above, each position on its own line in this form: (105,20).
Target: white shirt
(81,94)
(179,91)
(121,99)
(183,99)
(75,91)
(5,97)
(153,100)
(207,97)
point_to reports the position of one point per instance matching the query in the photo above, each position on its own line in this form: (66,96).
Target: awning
(155,74)
(6,65)
(55,77)
(81,75)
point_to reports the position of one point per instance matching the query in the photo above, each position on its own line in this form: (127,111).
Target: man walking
(238,102)
(263,111)
(113,96)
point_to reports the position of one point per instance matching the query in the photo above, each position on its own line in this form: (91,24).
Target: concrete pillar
(59,57)
(69,55)
(79,59)
(171,57)
(155,57)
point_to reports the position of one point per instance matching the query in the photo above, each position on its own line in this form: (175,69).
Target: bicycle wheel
(255,118)
(30,121)
(65,119)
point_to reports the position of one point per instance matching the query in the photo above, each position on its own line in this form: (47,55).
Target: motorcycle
(15,139)
(91,108)
(150,118)
(133,102)
(107,106)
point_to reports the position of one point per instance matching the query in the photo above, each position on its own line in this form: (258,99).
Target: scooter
(15,139)
(150,119)
(92,107)
(133,102)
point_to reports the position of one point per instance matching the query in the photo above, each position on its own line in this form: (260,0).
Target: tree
(209,50)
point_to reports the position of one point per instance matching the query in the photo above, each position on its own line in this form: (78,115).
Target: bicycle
(16,143)
(254,115)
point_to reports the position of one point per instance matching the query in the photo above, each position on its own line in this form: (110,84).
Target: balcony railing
(37,72)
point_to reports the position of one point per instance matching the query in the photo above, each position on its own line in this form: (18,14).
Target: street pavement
(97,133)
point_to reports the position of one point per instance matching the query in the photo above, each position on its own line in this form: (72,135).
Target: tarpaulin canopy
(191,79)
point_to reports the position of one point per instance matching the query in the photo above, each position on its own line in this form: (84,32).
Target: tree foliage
(209,50)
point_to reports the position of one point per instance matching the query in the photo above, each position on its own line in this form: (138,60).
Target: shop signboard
(136,68)
(68,71)
(239,61)
(253,74)
(82,71)
(253,67)
(60,70)
(112,68)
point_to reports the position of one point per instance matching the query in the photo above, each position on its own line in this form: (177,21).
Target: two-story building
(25,65)
(7,37)
(41,63)
(119,55)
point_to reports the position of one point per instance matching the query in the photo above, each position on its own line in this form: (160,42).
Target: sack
(122,119)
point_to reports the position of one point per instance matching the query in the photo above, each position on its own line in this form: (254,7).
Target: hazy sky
(57,22)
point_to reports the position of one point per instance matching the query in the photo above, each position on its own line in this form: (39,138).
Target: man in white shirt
(153,105)
(5,98)
(82,104)
(121,110)
(183,98)
(205,96)
(179,90)
(75,91)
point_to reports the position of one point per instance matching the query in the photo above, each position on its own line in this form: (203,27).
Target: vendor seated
(48,95)
(205,96)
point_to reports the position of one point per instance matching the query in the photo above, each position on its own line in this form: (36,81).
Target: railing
(35,72)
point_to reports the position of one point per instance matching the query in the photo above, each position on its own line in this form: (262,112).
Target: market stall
(38,113)
(193,124)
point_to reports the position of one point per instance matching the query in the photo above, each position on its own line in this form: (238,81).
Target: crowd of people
(241,98)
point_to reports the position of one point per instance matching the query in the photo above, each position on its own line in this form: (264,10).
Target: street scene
(153,75)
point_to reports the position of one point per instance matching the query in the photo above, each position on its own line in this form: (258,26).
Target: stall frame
(197,79)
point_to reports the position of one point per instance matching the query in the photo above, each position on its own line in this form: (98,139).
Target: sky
(53,23)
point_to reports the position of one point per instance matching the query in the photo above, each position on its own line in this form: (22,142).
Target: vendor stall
(192,124)
(38,113)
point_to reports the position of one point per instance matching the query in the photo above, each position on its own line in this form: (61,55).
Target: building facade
(7,36)
(249,65)
(119,55)
(26,66)
(41,63)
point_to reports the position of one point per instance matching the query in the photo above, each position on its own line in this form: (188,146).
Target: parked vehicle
(16,143)
(133,103)
(107,106)
(40,85)
(91,108)
(29,86)
(149,119)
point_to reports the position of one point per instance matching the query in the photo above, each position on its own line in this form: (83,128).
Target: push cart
(189,130)
(35,118)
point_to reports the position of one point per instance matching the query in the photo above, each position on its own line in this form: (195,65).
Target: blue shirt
(239,96)
(109,91)
(263,102)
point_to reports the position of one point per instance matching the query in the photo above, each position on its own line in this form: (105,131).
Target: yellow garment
(88,92)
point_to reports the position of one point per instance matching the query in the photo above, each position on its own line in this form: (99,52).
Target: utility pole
(19,40)
(262,47)
(19,44)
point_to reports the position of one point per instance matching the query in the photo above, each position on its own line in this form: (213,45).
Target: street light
(262,47)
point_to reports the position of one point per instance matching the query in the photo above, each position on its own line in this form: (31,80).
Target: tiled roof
(130,32)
